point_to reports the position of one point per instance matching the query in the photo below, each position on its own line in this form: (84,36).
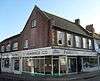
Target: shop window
(78,41)
(99,46)
(15,46)
(60,38)
(26,44)
(33,23)
(8,47)
(16,65)
(6,62)
(63,66)
(84,43)
(2,48)
(90,44)
(69,40)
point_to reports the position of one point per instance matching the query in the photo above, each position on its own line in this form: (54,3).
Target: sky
(15,13)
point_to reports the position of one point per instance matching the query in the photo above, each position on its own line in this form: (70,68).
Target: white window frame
(2,48)
(15,46)
(78,41)
(8,47)
(60,37)
(84,42)
(69,38)
(90,44)
(34,23)
(26,44)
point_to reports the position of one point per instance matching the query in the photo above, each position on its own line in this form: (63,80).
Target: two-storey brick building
(48,44)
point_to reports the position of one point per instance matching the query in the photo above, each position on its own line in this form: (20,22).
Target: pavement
(28,77)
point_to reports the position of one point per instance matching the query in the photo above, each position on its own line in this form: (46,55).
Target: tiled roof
(67,25)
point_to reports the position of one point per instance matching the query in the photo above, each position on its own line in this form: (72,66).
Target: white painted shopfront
(44,61)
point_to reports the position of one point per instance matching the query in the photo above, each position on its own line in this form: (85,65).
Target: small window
(8,47)
(26,44)
(69,40)
(60,38)
(90,44)
(78,41)
(84,43)
(15,46)
(2,48)
(33,23)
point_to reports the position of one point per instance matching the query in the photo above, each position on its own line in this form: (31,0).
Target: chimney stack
(77,21)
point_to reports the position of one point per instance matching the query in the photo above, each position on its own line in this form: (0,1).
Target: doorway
(55,66)
(72,64)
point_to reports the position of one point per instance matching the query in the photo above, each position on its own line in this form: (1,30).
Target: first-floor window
(84,43)
(8,47)
(60,38)
(90,44)
(26,44)
(2,48)
(15,46)
(69,39)
(78,41)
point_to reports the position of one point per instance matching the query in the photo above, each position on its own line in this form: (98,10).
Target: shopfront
(48,61)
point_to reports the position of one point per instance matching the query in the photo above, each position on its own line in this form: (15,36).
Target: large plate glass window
(16,64)
(6,62)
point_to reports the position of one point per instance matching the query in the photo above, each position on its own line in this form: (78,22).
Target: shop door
(72,65)
(16,66)
(79,64)
(55,66)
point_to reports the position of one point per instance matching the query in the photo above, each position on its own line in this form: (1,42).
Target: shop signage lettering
(34,53)
(45,52)
(56,51)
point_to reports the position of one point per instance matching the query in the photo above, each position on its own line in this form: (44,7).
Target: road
(97,78)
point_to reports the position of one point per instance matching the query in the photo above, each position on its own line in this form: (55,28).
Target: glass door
(72,65)
(16,65)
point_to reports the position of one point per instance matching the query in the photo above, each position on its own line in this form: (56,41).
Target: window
(26,44)
(2,48)
(8,47)
(84,43)
(6,62)
(99,46)
(60,38)
(78,41)
(90,44)
(16,64)
(69,40)
(33,23)
(15,46)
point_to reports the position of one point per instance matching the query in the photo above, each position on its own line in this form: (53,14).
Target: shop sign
(58,51)
(81,53)
(34,52)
